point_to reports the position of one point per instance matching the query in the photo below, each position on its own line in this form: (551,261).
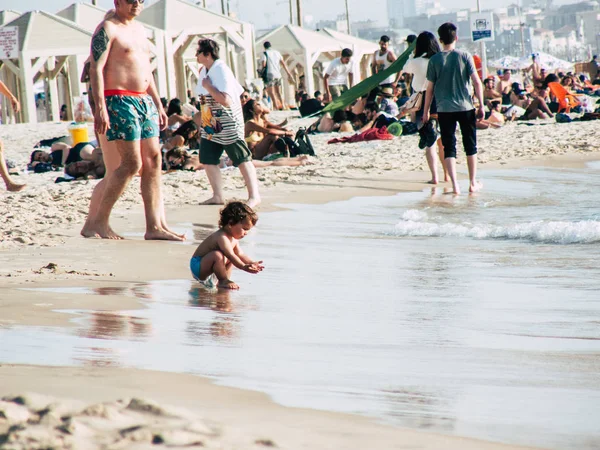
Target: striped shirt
(221,124)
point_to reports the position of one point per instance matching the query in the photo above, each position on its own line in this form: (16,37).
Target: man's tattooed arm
(99,44)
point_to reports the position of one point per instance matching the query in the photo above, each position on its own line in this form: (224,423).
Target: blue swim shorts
(195,264)
(133,116)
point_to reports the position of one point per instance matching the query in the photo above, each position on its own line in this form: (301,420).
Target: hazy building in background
(399,10)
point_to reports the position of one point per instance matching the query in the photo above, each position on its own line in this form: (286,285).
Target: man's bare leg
(152,193)
(279,96)
(11,186)
(451,168)
(474,185)
(114,186)
(441,156)
(431,156)
(276,101)
(249,173)
(112,160)
(216,183)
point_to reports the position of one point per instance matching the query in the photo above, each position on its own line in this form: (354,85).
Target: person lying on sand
(93,168)
(61,154)
(180,159)
(216,256)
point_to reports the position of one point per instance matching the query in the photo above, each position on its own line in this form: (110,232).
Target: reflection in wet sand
(225,326)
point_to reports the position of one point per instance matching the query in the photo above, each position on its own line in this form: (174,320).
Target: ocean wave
(416,223)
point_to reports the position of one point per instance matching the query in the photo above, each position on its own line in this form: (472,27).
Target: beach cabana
(8,15)
(88,16)
(181,25)
(46,42)
(301,50)
(363,50)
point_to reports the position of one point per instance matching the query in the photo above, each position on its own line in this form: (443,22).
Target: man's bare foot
(13,187)
(228,284)
(476,187)
(213,201)
(168,230)
(106,232)
(253,202)
(432,181)
(162,235)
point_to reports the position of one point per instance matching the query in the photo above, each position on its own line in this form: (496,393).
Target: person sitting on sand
(175,115)
(490,93)
(519,97)
(61,154)
(216,256)
(538,108)
(180,159)
(262,136)
(93,168)
(505,86)
(183,136)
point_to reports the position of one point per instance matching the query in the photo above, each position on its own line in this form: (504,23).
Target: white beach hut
(362,49)
(8,15)
(181,25)
(304,51)
(46,42)
(88,16)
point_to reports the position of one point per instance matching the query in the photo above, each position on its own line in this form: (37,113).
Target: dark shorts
(419,113)
(272,82)
(238,152)
(337,90)
(466,120)
(132,118)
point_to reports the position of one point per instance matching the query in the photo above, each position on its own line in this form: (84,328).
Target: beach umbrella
(547,61)
(506,62)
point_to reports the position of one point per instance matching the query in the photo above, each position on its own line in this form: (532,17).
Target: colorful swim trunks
(133,116)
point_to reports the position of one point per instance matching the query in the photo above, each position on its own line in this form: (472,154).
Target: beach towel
(366,86)
(373,134)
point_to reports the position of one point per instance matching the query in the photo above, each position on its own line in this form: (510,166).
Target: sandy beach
(40,247)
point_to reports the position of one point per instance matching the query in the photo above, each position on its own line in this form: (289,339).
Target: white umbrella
(506,62)
(547,61)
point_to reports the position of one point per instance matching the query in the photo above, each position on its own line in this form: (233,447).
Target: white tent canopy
(363,50)
(46,42)
(182,24)
(88,16)
(302,48)
(8,15)
(546,60)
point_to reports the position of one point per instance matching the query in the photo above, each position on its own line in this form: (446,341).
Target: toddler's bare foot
(228,284)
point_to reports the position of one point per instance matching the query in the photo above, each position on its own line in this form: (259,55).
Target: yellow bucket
(79,133)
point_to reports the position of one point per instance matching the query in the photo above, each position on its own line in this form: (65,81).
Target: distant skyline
(263,16)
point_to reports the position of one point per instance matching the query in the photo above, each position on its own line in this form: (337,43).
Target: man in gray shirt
(448,75)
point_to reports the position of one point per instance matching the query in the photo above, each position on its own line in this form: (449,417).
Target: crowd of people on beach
(139,133)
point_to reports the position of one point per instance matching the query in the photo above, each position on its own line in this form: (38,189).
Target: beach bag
(413,104)
(303,144)
(262,73)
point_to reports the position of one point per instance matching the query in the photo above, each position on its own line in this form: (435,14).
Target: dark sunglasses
(131,2)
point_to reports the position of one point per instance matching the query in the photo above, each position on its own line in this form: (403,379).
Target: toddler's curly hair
(236,212)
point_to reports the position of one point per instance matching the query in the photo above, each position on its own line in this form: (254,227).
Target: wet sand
(42,249)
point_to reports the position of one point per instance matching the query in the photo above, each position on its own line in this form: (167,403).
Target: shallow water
(477,316)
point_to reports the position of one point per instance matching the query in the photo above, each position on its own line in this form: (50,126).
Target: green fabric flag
(366,86)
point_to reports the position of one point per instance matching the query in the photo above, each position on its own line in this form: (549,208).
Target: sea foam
(418,224)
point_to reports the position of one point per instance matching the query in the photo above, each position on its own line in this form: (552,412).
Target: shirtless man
(536,71)
(504,86)
(127,116)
